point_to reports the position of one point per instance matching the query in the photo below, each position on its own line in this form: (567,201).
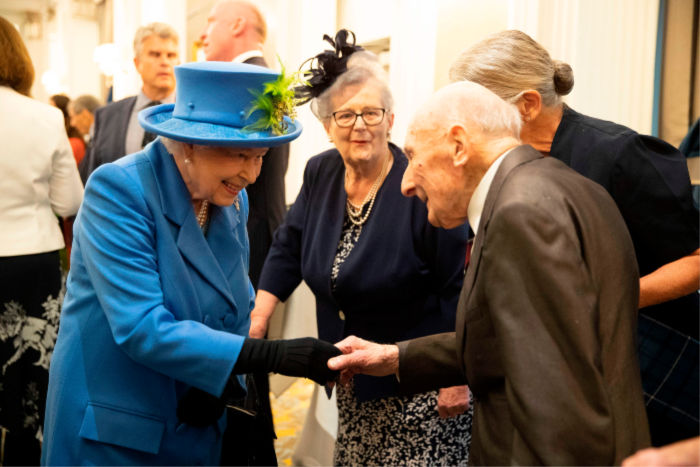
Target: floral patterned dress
(395,430)
(30,301)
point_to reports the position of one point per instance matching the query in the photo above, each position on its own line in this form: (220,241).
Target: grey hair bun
(563,78)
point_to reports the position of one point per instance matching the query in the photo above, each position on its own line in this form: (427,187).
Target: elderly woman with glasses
(375,265)
(152,342)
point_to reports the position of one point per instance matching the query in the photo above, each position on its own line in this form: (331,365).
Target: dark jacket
(546,324)
(648,179)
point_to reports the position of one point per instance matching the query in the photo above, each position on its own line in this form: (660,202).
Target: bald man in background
(236,32)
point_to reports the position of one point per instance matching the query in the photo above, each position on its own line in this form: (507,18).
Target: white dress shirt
(476,204)
(241,58)
(38,176)
(134,131)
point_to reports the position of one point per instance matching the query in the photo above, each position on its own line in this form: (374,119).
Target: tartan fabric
(669,366)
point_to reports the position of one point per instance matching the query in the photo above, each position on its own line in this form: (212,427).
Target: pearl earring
(188,160)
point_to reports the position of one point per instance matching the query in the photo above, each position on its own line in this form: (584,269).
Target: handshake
(306,357)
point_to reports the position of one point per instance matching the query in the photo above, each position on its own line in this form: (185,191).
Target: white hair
(466,102)
(162,30)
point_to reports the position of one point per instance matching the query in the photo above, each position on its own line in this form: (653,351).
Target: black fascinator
(325,67)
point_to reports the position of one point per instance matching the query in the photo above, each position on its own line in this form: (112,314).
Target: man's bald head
(233,27)
(469,105)
(451,142)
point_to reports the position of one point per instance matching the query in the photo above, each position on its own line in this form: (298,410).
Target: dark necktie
(147,135)
(470,243)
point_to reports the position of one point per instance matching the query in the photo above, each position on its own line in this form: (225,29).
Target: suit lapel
(124,126)
(223,246)
(518,156)
(175,199)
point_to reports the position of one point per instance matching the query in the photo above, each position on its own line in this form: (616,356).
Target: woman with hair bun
(377,268)
(649,181)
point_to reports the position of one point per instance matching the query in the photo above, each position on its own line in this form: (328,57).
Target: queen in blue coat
(152,333)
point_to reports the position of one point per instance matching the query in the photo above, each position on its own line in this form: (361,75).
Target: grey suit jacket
(546,324)
(108,137)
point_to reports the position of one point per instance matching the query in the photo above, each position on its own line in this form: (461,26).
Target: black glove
(306,357)
(199,408)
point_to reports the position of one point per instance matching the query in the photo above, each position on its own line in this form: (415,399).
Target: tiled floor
(289,412)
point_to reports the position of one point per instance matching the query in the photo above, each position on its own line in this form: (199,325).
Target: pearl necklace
(355,212)
(203,213)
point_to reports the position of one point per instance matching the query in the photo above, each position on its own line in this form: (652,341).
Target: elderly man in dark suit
(116,131)
(546,321)
(236,32)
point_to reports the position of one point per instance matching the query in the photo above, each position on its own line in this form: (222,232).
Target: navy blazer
(108,136)
(401,280)
(153,307)
(648,179)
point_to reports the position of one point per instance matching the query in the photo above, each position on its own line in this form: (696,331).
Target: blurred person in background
(649,181)
(76,141)
(116,130)
(81,111)
(236,32)
(78,145)
(39,181)
(377,268)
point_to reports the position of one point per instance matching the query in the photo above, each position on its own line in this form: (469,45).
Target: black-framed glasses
(347,118)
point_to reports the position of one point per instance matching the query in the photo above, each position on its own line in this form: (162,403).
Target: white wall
(609,44)
(461,24)
(298,35)
(64,49)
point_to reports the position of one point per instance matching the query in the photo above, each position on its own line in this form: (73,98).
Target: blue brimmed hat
(213,103)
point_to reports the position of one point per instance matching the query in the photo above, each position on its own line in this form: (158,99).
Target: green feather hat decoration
(276,101)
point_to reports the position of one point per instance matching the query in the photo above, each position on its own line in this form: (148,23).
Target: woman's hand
(265,304)
(453,401)
(258,326)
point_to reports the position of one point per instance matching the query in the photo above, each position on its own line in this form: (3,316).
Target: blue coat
(152,308)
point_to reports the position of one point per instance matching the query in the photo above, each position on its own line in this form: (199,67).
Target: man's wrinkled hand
(453,401)
(364,357)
